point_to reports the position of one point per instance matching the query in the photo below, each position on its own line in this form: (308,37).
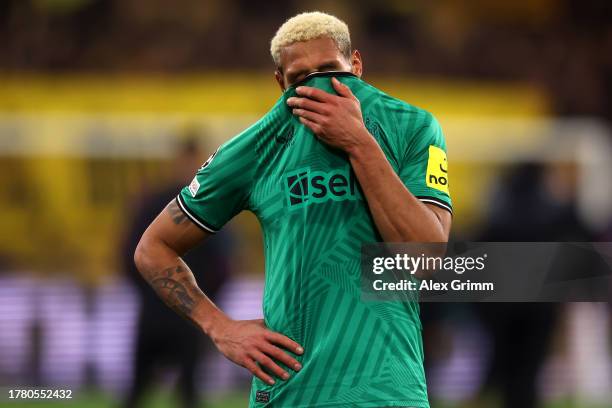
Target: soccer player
(334,164)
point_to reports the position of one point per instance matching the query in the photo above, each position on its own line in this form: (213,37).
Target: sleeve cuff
(437,202)
(194,218)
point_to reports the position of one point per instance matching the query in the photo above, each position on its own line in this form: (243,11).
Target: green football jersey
(314,219)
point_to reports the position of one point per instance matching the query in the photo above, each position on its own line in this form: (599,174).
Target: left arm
(398,214)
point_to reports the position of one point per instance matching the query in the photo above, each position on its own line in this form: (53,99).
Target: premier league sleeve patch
(437,169)
(194,186)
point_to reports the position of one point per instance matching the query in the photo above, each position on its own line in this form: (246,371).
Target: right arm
(247,343)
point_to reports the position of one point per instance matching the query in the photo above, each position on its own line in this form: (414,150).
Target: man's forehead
(306,51)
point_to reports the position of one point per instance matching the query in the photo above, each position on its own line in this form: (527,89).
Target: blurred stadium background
(97,97)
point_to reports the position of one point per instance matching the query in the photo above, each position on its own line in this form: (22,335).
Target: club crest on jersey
(373,128)
(437,169)
(306,187)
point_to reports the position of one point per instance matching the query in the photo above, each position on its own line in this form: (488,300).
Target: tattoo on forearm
(177,215)
(175,288)
(169,272)
(175,294)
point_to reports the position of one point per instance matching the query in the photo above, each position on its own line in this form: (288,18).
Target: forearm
(398,214)
(175,283)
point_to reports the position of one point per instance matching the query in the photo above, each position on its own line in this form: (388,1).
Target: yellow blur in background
(82,147)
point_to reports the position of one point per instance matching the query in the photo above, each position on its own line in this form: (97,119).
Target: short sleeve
(221,187)
(424,169)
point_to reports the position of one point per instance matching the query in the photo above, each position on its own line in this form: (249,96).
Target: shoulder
(408,125)
(409,118)
(252,139)
(413,117)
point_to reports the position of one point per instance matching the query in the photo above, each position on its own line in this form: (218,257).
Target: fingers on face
(322,96)
(342,89)
(308,104)
(314,127)
(314,93)
(311,116)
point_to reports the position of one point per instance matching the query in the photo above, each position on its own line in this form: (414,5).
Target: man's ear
(279,78)
(356,63)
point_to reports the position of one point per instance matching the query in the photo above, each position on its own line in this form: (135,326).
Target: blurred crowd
(562,46)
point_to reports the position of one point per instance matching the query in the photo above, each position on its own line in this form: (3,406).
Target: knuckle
(266,346)
(288,361)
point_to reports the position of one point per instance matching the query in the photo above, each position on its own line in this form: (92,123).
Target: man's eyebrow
(297,73)
(325,65)
(328,65)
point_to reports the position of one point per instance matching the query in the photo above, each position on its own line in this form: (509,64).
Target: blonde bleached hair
(310,26)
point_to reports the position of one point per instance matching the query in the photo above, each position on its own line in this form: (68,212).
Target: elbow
(428,237)
(140,254)
(438,237)
(432,233)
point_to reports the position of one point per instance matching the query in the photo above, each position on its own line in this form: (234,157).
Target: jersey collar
(321,74)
